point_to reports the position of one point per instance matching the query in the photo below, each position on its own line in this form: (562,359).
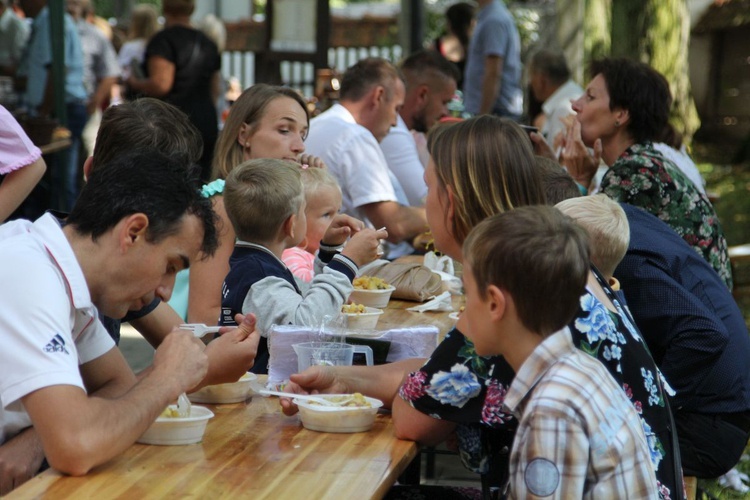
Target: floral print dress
(458,385)
(645,179)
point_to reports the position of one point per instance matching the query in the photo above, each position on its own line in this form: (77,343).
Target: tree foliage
(655,32)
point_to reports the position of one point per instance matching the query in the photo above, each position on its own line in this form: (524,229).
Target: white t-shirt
(401,154)
(353,157)
(48,324)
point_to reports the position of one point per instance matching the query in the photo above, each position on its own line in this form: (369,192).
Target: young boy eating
(265,203)
(578,435)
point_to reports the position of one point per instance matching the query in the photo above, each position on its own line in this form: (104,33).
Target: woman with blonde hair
(144,22)
(265,122)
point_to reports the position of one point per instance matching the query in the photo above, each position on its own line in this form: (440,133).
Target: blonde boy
(607,226)
(265,203)
(578,436)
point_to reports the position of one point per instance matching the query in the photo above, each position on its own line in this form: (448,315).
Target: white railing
(302,75)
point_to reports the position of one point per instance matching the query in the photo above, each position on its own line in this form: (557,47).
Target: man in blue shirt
(493,64)
(35,67)
(698,338)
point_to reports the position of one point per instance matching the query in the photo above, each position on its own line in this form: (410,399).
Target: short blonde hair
(315,178)
(607,225)
(260,195)
(144,22)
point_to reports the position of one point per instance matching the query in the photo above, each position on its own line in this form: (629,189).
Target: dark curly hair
(639,89)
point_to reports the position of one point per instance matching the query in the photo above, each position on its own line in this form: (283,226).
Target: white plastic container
(366,320)
(372,298)
(234,392)
(178,430)
(338,419)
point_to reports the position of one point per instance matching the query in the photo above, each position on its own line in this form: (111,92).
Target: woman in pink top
(21,164)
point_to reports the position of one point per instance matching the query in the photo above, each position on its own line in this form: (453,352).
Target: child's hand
(342,226)
(364,246)
(311,161)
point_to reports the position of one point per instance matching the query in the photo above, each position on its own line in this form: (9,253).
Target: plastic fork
(199,329)
(307,397)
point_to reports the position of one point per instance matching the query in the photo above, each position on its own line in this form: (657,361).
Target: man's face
(435,105)
(387,111)
(147,270)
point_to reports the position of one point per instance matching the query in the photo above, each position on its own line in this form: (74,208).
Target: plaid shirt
(578,436)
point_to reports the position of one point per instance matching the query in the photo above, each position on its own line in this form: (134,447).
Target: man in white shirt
(550,82)
(346,138)
(430,84)
(64,386)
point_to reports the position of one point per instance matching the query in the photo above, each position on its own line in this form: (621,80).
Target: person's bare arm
(108,376)
(161,78)
(402,223)
(17,185)
(101,94)
(413,425)
(20,459)
(207,276)
(493,70)
(379,382)
(79,432)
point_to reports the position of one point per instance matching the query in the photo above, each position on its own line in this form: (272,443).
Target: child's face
(300,226)
(477,322)
(322,207)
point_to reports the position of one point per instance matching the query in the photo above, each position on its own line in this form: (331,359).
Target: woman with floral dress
(624,109)
(478,168)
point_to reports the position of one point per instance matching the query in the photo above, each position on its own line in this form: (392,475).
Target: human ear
(288,226)
(243,136)
(378,94)
(498,302)
(622,116)
(423,94)
(134,228)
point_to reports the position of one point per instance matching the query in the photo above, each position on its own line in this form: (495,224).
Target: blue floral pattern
(454,388)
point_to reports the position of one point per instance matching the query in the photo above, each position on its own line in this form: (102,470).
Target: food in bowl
(234,392)
(365,282)
(339,419)
(175,430)
(346,400)
(353,308)
(362,317)
(371,291)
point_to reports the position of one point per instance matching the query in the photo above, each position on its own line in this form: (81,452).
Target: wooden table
(396,315)
(250,450)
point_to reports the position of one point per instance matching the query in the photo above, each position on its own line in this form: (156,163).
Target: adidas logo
(57,344)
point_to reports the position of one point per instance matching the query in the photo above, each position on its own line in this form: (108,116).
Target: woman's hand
(311,161)
(575,157)
(316,379)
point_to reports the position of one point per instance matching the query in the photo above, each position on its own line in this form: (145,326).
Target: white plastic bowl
(234,392)
(178,430)
(363,321)
(372,298)
(339,419)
